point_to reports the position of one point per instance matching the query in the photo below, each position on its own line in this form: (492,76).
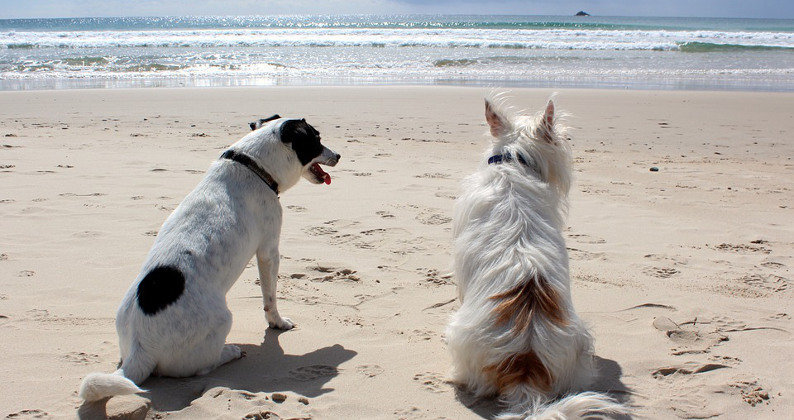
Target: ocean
(505,51)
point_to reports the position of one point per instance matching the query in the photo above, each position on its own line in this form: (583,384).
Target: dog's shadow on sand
(265,368)
(608,382)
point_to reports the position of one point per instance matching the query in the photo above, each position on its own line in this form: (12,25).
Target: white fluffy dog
(174,320)
(516,334)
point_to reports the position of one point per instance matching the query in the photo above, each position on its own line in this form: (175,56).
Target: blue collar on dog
(249,163)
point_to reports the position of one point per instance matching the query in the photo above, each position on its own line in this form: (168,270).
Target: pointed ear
(548,115)
(546,130)
(496,122)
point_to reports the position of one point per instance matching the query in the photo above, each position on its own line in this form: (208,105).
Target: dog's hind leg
(267,260)
(205,351)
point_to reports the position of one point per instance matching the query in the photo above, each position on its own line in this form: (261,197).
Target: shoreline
(54,84)
(683,275)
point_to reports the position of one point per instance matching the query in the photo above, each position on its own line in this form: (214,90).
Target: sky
(695,8)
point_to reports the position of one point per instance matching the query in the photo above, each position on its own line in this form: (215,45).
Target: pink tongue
(326,177)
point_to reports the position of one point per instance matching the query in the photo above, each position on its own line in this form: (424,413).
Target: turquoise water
(533,51)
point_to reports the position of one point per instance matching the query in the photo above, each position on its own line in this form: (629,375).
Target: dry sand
(684,274)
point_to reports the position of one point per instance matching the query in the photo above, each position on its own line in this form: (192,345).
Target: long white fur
(229,216)
(508,225)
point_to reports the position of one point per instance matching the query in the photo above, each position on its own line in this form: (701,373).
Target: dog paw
(282,324)
(231,352)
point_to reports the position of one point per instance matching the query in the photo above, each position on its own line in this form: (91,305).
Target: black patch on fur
(159,289)
(305,140)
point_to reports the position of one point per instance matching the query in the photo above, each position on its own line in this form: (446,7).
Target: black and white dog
(174,320)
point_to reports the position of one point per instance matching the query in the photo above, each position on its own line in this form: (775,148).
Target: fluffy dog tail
(133,371)
(577,406)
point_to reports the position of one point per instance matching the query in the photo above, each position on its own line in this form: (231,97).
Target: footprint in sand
(424,335)
(432,217)
(752,286)
(343,239)
(95,194)
(371,232)
(297,209)
(688,337)
(81,358)
(751,392)
(432,382)
(262,415)
(689,368)
(432,276)
(765,283)
(370,371)
(726,360)
(409,413)
(772,264)
(434,175)
(26,273)
(446,194)
(310,373)
(590,278)
(661,272)
(28,414)
(676,261)
(165,208)
(88,234)
(384,214)
(376,238)
(753,247)
(320,230)
(586,239)
(580,254)
(333,274)
(779,316)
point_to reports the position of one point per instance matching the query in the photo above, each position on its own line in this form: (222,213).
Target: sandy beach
(683,273)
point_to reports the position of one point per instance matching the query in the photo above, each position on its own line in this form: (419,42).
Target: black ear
(262,121)
(293,130)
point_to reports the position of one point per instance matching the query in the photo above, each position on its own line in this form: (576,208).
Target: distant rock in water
(582,13)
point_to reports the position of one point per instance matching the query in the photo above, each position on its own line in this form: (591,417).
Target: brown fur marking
(524,368)
(524,301)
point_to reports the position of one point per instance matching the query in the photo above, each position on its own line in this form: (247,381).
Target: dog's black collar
(507,157)
(249,163)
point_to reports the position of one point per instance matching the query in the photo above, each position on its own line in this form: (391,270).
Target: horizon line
(385,14)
